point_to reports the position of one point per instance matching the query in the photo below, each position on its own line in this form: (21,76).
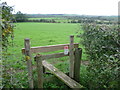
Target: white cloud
(91,7)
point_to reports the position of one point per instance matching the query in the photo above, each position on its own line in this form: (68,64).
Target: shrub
(102,44)
(6,24)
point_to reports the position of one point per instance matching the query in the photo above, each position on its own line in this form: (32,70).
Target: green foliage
(7,35)
(15,79)
(20,17)
(6,24)
(102,44)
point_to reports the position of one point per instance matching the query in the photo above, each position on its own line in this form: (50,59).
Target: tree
(20,17)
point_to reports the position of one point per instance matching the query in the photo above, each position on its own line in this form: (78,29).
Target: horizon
(84,7)
(70,14)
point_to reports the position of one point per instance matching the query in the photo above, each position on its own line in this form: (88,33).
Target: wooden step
(63,77)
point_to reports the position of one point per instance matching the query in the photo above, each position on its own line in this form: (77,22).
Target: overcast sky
(82,7)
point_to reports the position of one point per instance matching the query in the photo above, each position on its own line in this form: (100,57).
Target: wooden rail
(48,48)
(49,56)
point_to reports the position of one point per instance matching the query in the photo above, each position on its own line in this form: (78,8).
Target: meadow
(43,34)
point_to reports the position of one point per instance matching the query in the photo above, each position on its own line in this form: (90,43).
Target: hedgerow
(102,45)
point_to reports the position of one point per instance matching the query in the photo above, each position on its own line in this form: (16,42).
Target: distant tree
(53,21)
(79,21)
(73,21)
(20,17)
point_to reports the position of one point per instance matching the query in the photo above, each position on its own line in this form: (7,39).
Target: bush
(6,25)
(102,44)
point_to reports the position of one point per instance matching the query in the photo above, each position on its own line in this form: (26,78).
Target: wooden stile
(74,54)
(29,62)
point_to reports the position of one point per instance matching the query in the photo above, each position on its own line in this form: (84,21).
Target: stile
(78,55)
(29,61)
(74,67)
(71,55)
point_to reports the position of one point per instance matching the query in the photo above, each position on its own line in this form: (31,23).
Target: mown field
(40,34)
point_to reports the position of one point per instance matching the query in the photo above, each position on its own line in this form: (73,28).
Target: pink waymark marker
(66,50)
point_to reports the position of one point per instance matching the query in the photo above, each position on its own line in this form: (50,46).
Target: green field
(42,34)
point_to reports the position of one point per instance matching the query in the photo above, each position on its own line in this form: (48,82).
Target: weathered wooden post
(71,55)
(39,71)
(29,61)
(78,55)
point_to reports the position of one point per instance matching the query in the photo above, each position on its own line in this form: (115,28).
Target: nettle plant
(102,45)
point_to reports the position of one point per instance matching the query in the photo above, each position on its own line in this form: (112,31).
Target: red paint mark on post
(66,50)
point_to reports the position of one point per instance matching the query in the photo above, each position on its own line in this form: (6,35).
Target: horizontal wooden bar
(49,56)
(63,77)
(48,48)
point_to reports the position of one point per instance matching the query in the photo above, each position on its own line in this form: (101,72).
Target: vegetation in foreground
(102,44)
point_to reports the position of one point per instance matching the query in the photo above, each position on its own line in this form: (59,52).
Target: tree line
(20,17)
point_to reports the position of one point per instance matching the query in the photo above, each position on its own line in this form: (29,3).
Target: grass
(41,34)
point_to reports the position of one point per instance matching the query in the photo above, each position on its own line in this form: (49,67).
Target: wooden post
(71,55)
(29,62)
(78,55)
(44,70)
(39,71)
